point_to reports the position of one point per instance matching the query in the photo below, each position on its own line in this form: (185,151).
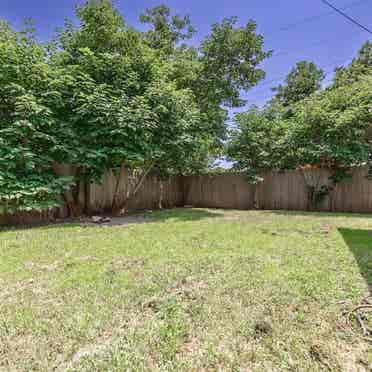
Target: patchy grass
(191,290)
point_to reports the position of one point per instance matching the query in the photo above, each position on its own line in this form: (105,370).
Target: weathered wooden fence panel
(154,193)
(280,190)
(287,190)
(222,191)
(355,194)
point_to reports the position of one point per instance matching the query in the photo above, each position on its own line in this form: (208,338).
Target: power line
(314,44)
(328,75)
(313,18)
(346,16)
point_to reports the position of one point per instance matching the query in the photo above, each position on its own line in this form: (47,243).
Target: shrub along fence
(289,190)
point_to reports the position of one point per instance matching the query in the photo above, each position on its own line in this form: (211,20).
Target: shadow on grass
(360,244)
(39,226)
(318,214)
(175,215)
(183,214)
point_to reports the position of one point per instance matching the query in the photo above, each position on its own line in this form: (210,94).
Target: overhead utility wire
(313,18)
(347,16)
(314,44)
(308,19)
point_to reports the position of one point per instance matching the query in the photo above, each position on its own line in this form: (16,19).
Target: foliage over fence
(304,126)
(287,190)
(106,96)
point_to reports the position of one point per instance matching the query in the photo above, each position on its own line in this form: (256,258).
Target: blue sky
(294,29)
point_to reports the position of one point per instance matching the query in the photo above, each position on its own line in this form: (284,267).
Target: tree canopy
(358,68)
(28,126)
(326,128)
(303,80)
(167,30)
(103,95)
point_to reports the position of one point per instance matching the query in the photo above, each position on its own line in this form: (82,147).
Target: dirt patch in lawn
(117,221)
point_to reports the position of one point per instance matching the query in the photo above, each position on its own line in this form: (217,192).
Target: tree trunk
(161,196)
(312,185)
(256,202)
(71,197)
(73,210)
(118,209)
(78,206)
(115,201)
(87,198)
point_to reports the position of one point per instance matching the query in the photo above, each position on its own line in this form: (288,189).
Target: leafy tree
(150,111)
(27,180)
(303,80)
(230,58)
(105,96)
(359,67)
(123,108)
(226,62)
(258,142)
(102,29)
(329,129)
(167,30)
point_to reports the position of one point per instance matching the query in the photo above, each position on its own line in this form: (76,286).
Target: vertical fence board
(279,190)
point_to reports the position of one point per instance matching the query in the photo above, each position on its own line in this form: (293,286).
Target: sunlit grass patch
(192,289)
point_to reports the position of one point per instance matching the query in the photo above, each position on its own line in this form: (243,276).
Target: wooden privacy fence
(153,194)
(230,191)
(287,190)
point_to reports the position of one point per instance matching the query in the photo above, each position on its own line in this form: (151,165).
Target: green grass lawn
(191,290)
